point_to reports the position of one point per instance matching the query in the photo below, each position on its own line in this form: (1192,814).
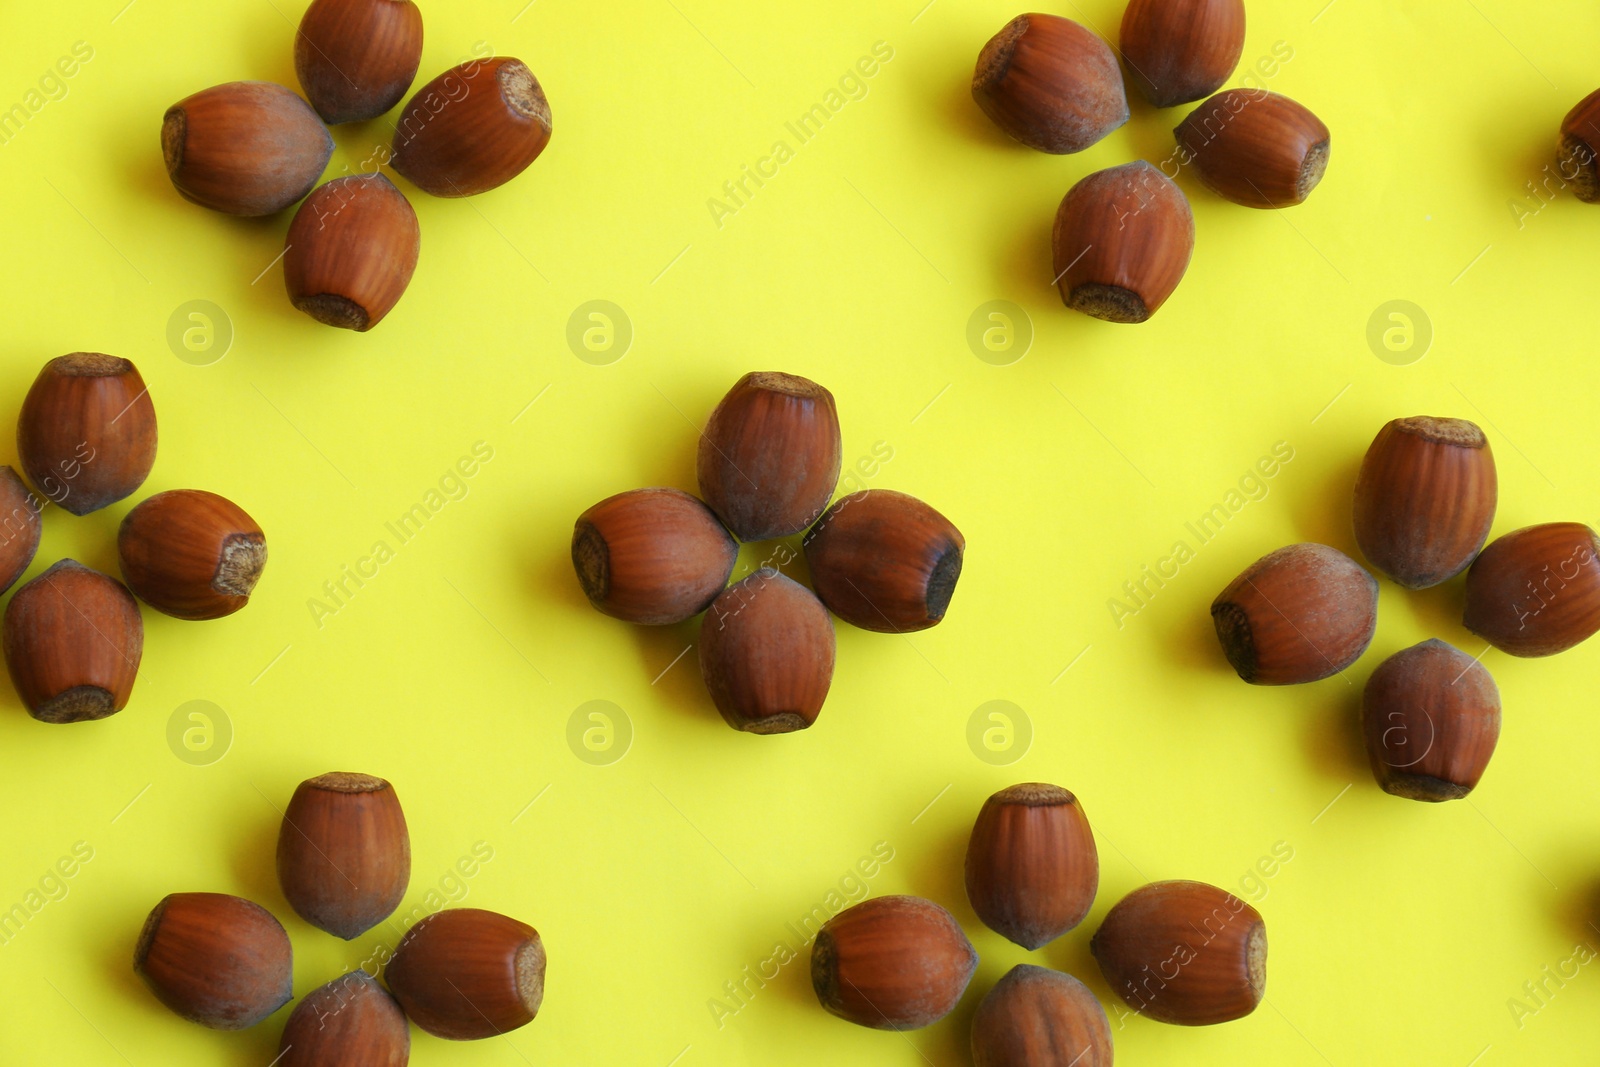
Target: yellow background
(1399,931)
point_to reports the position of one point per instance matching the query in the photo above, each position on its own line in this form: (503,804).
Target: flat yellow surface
(1400,933)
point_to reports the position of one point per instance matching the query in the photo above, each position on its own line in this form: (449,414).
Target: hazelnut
(344,854)
(1184,952)
(1299,614)
(20,526)
(73,639)
(652,556)
(351,1021)
(766,652)
(244,148)
(1580,141)
(884,561)
(473,128)
(1536,591)
(1121,243)
(191,554)
(1431,715)
(1032,868)
(86,435)
(1050,83)
(1036,1017)
(1179,51)
(466,974)
(1256,148)
(215,959)
(1425,499)
(351,251)
(769,456)
(892,963)
(357,58)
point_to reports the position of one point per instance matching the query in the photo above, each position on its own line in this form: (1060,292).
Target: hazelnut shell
(73,640)
(20,527)
(191,554)
(344,853)
(1213,944)
(892,963)
(1256,148)
(351,251)
(1050,83)
(1300,614)
(473,128)
(766,653)
(884,561)
(218,960)
(86,436)
(1536,591)
(1122,241)
(357,58)
(351,1021)
(1425,499)
(652,556)
(465,974)
(1036,1017)
(1578,150)
(1179,51)
(1032,868)
(1431,715)
(244,148)
(769,457)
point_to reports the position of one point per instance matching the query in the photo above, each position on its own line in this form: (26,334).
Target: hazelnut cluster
(1123,236)
(1425,500)
(73,637)
(344,861)
(254,148)
(1180,952)
(768,464)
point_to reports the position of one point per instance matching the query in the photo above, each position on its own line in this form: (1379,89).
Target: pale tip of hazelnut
(776,381)
(1459,432)
(243,557)
(1311,170)
(995,59)
(1256,959)
(81,703)
(348,782)
(174,132)
(91,365)
(1109,302)
(942,582)
(1233,630)
(530,965)
(592,560)
(783,723)
(1035,795)
(331,309)
(521,92)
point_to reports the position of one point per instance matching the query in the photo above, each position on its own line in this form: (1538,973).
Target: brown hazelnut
(1300,614)
(344,853)
(465,974)
(1579,148)
(652,556)
(1431,715)
(1050,83)
(1184,952)
(1036,1017)
(766,653)
(191,554)
(1256,148)
(218,960)
(473,128)
(86,436)
(892,963)
(884,561)
(1425,499)
(1536,591)
(1032,868)
(769,456)
(244,148)
(20,526)
(1179,51)
(351,1021)
(73,639)
(357,58)
(351,251)
(1122,242)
